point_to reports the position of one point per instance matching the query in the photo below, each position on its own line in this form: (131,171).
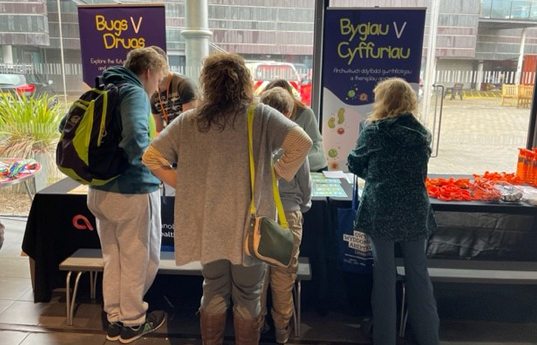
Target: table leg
(32,272)
(28,191)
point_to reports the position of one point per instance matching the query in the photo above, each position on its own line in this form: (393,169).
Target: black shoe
(153,321)
(114,331)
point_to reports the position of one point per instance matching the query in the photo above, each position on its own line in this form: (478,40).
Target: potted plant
(29,129)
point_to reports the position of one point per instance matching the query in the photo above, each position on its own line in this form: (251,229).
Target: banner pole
(61,54)
(430,66)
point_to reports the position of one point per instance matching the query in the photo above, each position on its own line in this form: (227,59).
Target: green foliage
(28,125)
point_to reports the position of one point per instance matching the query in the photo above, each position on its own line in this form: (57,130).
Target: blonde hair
(227,90)
(140,60)
(284,84)
(279,99)
(393,97)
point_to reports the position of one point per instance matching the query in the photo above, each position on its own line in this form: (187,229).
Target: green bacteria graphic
(351,93)
(332,122)
(332,153)
(341,116)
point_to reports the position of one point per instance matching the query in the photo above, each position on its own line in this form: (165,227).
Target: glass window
(520,10)
(11,79)
(533,11)
(481,57)
(501,9)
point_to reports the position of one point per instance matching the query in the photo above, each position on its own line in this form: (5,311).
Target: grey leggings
(244,285)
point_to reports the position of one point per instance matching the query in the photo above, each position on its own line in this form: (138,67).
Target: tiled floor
(470,315)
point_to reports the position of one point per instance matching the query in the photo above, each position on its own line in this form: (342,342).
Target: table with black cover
(467,231)
(477,230)
(59,223)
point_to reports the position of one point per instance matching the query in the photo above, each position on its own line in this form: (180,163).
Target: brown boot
(212,328)
(246,330)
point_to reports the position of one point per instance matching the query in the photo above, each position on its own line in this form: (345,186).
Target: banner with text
(361,48)
(108,33)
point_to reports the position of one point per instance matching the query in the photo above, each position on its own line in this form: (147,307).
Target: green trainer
(153,321)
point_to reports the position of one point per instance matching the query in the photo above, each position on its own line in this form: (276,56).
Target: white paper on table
(334,174)
(350,177)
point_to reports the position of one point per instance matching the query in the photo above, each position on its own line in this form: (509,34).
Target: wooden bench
(471,271)
(90,260)
(521,94)
(454,90)
(525,95)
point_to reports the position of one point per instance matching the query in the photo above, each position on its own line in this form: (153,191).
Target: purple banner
(361,48)
(108,33)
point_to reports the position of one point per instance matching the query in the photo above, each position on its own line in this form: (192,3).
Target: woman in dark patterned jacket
(392,155)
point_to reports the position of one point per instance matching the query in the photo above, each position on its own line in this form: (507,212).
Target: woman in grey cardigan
(391,156)
(213,193)
(305,118)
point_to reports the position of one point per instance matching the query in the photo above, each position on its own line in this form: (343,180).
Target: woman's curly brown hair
(227,90)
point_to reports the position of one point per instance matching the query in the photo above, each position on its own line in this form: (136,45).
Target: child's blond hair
(279,99)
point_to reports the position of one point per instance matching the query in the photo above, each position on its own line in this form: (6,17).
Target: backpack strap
(99,82)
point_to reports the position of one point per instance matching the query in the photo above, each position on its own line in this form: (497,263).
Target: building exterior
(473,36)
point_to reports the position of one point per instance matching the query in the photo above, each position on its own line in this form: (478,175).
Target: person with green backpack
(127,208)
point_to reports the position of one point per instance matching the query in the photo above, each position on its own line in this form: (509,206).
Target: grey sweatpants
(129,228)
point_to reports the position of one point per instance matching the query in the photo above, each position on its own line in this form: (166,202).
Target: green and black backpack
(88,150)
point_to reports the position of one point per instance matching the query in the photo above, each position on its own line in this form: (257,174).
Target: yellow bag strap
(279,207)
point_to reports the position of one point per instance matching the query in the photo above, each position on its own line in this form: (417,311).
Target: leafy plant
(29,129)
(28,125)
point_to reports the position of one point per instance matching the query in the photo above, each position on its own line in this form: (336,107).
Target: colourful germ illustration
(341,116)
(332,122)
(332,153)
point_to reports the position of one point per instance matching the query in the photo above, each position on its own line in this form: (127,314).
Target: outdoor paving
(478,135)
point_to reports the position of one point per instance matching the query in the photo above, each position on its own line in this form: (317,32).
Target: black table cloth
(60,223)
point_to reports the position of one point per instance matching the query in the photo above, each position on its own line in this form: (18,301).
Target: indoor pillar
(196,36)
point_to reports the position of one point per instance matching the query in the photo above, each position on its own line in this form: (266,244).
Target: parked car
(25,84)
(302,69)
(263,72)
(305,88)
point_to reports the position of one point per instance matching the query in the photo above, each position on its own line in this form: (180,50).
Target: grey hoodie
(296,194)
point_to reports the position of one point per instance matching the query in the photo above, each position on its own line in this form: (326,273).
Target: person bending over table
(296,199)
(305,118)
(391,156)
(127,209)
(213,193)
(175,95)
